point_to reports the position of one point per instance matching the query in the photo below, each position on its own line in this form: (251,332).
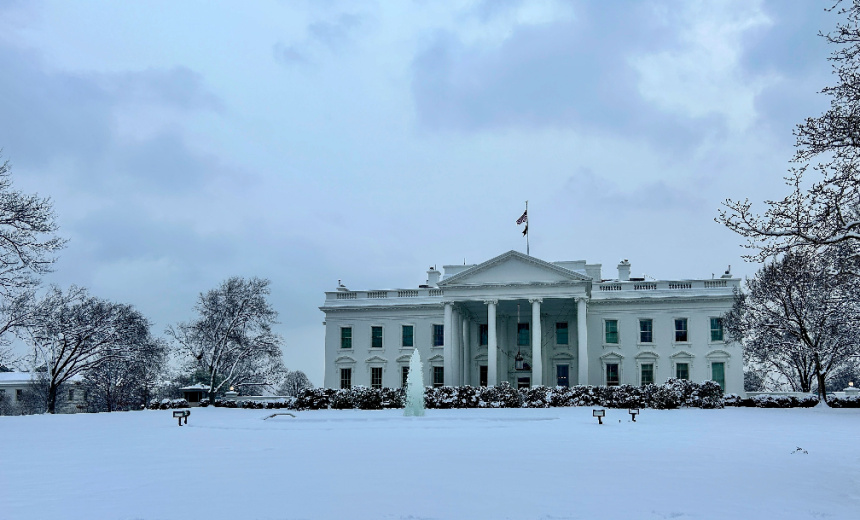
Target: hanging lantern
(518,361)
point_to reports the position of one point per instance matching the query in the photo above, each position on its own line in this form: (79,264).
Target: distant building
(17,394)
(520,319)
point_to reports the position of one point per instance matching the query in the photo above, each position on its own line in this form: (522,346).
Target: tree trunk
(822,390)
(52,398)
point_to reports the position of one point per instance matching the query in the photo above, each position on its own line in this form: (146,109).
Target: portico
(520,300)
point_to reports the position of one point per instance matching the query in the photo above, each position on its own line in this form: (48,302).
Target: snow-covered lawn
(468,464)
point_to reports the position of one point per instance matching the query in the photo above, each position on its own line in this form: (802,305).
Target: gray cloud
(651,197)
(571,74)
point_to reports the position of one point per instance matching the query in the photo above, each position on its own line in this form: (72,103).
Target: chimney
(624,270)
(433,277)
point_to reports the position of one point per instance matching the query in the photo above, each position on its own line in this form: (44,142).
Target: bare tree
(126,382)
(295,382)
(28,241)
(798,318)
(72,333)
(828,212)
(231,339)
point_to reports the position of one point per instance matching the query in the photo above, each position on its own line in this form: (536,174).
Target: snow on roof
(198,386)
(27,377)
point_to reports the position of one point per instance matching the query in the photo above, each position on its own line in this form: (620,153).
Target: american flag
(524,218)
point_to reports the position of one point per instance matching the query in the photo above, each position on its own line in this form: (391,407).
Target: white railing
(610,287)
(379,295)
(645,287)
(682,285)
(713,284)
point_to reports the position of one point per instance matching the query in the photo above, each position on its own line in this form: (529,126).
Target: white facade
(562,321)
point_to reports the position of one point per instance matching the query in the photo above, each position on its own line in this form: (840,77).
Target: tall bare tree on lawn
(231,339)
(28,241)
(798,318)
(828,212)
(73,333)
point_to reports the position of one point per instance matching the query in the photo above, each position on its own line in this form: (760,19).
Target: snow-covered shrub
(204,402)
(784,401)
(365,398)
(315,399)
(343,399)
(468,397)
(806,401)
(536,397)
(393,397)
(664,397)
(733,400)
(708,395)
(849,401)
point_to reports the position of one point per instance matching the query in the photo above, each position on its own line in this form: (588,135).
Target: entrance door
(562,375)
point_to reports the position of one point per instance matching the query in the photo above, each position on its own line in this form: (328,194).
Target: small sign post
(633,412)
(181,414)
(600,414)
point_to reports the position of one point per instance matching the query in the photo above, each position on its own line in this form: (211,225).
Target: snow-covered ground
(467,464)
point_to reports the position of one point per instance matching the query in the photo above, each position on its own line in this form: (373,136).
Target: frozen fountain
(414,387)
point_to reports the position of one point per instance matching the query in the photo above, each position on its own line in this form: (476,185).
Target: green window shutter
(718,374)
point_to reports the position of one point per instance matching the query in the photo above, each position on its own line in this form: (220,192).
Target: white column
(449,343)
(537,354)
(457,354)
(467,365)
(492,344)
(582,340)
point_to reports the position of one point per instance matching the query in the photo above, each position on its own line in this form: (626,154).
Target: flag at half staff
(524,218)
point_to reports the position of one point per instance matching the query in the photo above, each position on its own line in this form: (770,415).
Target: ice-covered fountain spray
(414,387)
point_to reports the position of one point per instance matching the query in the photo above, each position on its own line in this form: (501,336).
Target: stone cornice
(392,306)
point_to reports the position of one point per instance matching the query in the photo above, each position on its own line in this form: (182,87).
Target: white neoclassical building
(520,319)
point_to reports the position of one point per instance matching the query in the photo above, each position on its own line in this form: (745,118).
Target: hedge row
(166,404)
(674,394)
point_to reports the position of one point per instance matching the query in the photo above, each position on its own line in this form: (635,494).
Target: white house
(520,319)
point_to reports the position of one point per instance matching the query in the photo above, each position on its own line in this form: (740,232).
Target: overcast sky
(306,142)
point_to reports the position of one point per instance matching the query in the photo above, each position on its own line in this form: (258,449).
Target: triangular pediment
(513,267)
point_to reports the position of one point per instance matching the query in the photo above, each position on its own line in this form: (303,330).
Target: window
(438,376)
(376,337)
(562,375)
(646,371)
(524,382)
(523,334)
(19,395)
(611,327)
(71,395)
(408,336)
(561,333)
(612,378)
(718,374)
(682,370)
(646,331)
(438,335)
(680,329)
(346,337)
(376,377)
(716,329)
(482,375)
(346,378)
(483,334)
(404,376)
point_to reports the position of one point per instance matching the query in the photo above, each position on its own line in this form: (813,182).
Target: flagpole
(527,230)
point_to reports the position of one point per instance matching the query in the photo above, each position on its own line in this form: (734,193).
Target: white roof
(11,378)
